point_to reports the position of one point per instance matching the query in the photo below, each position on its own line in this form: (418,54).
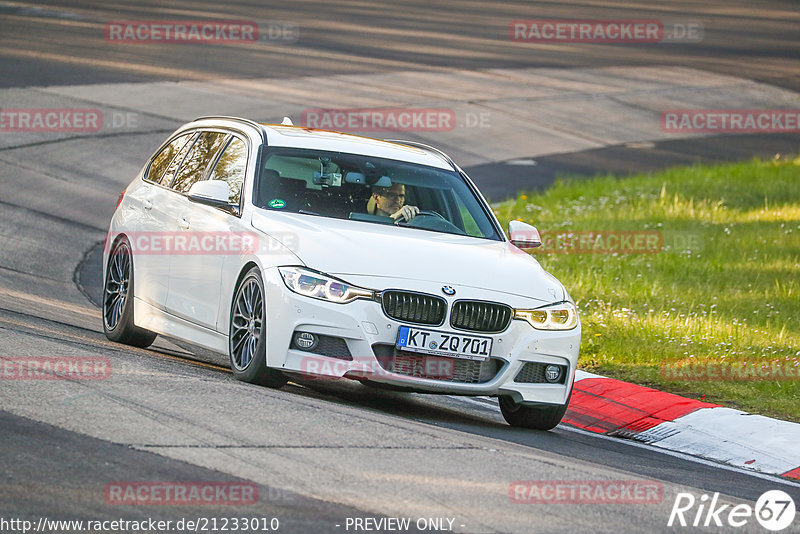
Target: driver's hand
(406,212)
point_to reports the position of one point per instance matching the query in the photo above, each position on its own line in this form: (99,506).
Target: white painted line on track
(765,476)
(731,436)
(488,403)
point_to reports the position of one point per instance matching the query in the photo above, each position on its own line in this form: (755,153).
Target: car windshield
(370,189)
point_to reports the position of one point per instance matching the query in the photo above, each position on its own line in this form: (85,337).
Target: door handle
(147,204)
(183,223)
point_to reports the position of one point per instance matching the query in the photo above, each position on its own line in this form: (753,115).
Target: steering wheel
(432,220)
(431,213)
(422,213)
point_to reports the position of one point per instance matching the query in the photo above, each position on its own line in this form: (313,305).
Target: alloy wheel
(248,320)
(117,285)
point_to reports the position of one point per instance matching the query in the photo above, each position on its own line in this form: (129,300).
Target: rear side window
(165,157)
(231,168)
(176,161)
(197,160)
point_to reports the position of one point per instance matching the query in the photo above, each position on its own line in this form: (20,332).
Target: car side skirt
(161,322)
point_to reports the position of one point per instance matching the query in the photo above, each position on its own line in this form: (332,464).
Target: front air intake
(480,316)
(409,307)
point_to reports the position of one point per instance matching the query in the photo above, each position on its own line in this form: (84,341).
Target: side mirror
(523,235)
(214,193)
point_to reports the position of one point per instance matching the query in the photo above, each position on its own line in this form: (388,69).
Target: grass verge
(687,280)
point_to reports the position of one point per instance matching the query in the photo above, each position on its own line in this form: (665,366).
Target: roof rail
(426,147)
(249,122)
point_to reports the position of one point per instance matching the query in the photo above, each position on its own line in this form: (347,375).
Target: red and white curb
(615,408)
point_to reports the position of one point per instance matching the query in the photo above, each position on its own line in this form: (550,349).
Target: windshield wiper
(305,212)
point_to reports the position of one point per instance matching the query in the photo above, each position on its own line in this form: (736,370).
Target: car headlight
(561,316)
(319,286)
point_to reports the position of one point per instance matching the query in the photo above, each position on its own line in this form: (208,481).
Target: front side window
(369,189)
(165,157)
(231,168)
(197,160)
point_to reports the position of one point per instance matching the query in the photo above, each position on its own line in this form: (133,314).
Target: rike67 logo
(774,510)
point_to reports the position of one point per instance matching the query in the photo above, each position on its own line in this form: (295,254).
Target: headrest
(270,174)
(383,181)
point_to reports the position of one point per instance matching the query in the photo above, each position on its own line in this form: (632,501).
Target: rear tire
(118,322)
(535,417)
(247,334)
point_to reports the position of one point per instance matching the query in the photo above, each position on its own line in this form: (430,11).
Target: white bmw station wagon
(302,252)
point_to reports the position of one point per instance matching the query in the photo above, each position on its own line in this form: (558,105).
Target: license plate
(444,343)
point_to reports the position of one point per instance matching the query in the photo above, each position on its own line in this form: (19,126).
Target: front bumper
(370,335)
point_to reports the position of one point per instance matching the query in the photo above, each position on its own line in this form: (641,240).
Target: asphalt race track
(323,453)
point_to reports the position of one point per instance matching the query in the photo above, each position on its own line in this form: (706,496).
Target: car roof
(301,137)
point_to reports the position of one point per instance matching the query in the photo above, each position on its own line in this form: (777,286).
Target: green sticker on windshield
(277,203)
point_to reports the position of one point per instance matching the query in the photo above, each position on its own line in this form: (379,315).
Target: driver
(390,202)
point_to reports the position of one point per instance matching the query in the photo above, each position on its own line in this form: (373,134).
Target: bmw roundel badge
(448,290)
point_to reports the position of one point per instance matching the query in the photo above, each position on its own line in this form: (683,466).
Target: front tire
(118,323)
(247,334)
(535,417)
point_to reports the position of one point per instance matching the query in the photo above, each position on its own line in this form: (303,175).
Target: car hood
(342,247)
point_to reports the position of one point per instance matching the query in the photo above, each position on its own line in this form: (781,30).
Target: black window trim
(146,173)
(178,168)
(484,204)
(204,176)
(212,165)
(240,134)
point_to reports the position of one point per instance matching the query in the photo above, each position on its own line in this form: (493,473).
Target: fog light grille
(332,347)
(534,373)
